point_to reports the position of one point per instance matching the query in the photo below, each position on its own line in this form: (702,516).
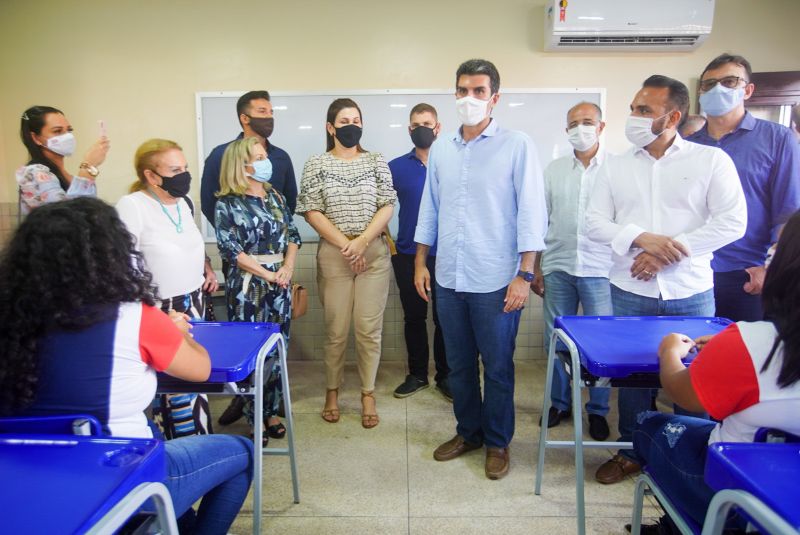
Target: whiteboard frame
(200,95)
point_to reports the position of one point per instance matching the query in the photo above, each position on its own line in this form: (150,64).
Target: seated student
(746,377)
(79,334)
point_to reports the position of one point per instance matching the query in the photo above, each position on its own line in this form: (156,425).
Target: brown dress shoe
(615,469)
(453,448)
(497,462)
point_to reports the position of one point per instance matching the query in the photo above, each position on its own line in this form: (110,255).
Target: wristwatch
(89,168)
(527,275)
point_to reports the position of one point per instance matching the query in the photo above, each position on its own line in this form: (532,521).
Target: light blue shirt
(483,204)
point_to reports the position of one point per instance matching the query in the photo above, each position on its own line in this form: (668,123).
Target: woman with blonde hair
(347,195)
(258,238)
(158,215)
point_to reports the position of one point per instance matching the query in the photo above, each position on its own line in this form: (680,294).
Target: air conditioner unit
(627,25)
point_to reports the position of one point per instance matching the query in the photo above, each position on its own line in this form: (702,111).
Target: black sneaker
(233,412)
(598,427)
(444,388)
(410,386)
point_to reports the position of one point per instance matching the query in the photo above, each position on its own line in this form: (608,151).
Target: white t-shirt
(176,259)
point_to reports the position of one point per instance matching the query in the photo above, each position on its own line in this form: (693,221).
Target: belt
(261,259)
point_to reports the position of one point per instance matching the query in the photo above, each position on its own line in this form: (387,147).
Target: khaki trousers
(361,299)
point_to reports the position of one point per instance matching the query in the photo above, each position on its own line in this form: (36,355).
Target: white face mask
(639,130)
(471,110)
(63,144)
(582,137)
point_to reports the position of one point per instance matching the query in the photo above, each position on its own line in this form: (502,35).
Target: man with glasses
(767,159)
(483,206)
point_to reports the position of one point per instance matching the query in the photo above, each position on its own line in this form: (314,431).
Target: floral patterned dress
(38,186)
(257,226)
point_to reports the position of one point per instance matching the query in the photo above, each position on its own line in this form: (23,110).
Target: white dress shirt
(691,194)
(568,186)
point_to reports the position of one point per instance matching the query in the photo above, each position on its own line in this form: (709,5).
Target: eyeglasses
(729,81)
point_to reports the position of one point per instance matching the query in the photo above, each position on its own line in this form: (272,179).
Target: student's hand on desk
(663,248)
(422,282)
(517,294)
(538,285)
(756,282)
(701,341)
(645,266)
(675,344)
(181,321)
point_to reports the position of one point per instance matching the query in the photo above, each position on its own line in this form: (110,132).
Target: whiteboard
(300,123)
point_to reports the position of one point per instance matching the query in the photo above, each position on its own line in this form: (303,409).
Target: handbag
(299,301)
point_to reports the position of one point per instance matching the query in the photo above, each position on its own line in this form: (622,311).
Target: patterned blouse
(38,186)
(248,224)
(348,192)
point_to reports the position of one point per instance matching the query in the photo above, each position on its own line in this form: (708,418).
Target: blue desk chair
(607,351)
(763,492)
(87,483)
(725,500)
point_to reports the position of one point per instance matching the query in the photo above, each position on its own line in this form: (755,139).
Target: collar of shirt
(413,155)
(677,144)
(596,161)
(490,130)
(748,122)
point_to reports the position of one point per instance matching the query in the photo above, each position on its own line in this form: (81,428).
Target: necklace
(179,225)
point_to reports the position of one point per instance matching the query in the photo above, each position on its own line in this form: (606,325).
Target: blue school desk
(237,350)
(761,479)
(77,484)
(607,351)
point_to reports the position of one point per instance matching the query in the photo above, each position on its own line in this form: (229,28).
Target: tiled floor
(385,481)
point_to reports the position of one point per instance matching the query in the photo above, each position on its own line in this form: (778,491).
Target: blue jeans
(632,401)
(475,323)
(562,293)
(217,468)
(674,449)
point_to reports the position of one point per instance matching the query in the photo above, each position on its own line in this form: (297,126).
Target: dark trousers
(415,311)
(732,301)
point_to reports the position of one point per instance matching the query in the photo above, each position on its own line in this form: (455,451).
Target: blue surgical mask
(262,170)
(720,100)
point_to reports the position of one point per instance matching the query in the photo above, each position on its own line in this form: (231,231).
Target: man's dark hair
(480,66)
(678,94)
(243,104)
(422,108)
(724,59)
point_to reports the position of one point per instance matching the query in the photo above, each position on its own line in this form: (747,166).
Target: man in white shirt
(573,269)
(664,207)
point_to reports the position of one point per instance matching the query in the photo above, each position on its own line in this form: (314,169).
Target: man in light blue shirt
(483,205)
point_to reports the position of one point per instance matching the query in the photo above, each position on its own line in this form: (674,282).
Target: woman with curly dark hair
(79,335)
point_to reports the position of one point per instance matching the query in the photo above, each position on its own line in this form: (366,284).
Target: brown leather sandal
(331,415)
(368,421)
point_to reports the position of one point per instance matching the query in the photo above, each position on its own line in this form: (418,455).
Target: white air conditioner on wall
(627,25)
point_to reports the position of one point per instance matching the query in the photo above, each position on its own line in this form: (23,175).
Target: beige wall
(137,64)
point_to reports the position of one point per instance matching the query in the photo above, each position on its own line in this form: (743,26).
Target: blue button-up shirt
(282,177)
(483,204)
(408,177)
(767,158)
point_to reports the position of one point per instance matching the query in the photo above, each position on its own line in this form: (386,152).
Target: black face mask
(262,126)
(348,135)
(422,137)
(178,185)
